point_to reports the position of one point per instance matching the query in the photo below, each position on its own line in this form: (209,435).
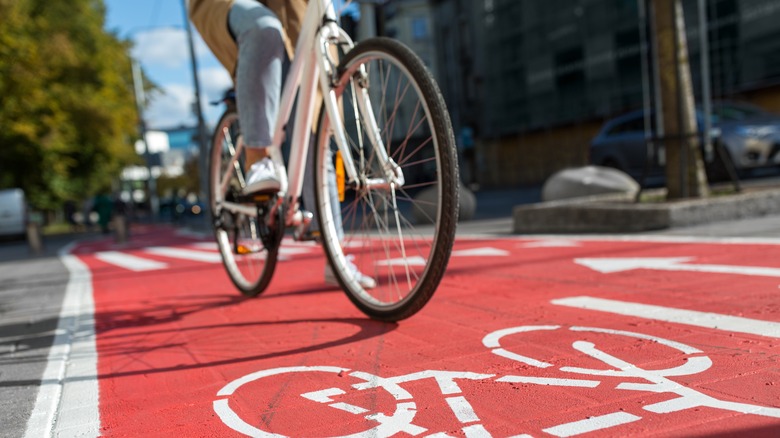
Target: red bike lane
(525,337)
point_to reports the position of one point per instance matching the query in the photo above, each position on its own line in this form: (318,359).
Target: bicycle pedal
(303,220)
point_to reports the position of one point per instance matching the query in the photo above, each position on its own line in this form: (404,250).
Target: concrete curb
(618,214)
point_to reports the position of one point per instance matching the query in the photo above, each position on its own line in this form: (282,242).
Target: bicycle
(385,136)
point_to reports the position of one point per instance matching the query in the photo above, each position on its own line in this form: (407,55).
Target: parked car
(13,213)
(750,136)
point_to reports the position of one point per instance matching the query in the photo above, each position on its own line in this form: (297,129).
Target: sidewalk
(495,209)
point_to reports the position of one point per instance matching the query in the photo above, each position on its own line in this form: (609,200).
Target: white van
(13,212)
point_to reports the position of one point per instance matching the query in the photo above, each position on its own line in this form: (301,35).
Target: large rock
(427,202)
(588,181)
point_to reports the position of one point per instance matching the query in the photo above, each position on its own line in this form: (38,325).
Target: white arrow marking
(680,316)
(608,266)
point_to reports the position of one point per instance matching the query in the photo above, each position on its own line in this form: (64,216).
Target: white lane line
(592,424)
(67,401)
(130,262)
(294,250)
(481,252)
(206,245)
(410,261)
(285,249)
(551,243)
(186,254)
(680,316)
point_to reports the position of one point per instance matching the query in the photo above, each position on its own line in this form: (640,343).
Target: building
(535,79)
(183,147)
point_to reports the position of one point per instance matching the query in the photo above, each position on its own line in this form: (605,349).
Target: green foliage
(67,113)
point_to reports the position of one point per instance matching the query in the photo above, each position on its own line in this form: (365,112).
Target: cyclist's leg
(261,55)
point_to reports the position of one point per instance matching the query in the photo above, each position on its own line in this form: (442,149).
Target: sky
(160,46)
(157,29)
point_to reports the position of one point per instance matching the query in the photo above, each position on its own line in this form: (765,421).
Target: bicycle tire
(249,264)
(407,268)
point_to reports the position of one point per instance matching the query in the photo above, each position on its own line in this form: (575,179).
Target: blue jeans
(261,56)
(261,59)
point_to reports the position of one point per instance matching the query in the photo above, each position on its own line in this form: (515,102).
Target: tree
(67,117)
(685,176)
(189,181)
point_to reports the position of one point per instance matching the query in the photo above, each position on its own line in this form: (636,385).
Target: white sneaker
(262,178)
(363,280)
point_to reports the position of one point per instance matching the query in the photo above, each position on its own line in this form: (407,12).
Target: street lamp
(202,140)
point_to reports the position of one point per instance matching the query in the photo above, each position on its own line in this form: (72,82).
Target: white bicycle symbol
(402,419)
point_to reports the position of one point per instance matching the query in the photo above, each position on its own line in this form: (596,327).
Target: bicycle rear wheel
(401,236)
(249,248)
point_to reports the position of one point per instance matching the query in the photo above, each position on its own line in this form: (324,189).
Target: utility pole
(140,102)
(685,176)
(203,146)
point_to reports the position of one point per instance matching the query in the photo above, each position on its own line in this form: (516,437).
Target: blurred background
(107,101)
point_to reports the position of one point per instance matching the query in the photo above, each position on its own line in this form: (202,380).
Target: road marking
(210,245)
(592,424)
(545,381)
(462,409)
(611,265)
(130,262)
(481,252)
(473,252)
(67,401)
(551,243)
(186,254)
(409,261)
(680,316)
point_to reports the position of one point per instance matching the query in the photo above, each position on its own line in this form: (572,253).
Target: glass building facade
(527,67)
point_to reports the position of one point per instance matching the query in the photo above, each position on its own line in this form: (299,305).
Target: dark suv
(750,135)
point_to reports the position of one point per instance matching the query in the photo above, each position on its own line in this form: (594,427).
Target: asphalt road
(31,291)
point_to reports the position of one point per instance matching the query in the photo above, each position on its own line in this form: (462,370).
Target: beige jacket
(210,17)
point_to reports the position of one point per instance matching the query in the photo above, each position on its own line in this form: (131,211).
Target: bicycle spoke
(381,218)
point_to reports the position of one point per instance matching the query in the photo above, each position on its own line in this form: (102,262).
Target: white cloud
(214,81)
(170,107)
(166,46)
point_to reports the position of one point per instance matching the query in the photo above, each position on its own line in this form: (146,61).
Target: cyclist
(249,39)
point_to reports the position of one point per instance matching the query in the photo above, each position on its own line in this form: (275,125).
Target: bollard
(120,229)
(34,238)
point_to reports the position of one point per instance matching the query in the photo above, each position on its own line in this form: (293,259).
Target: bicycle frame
(312,63)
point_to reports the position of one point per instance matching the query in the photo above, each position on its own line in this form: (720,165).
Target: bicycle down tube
(312,61)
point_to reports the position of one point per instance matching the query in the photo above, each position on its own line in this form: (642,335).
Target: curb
(619,214)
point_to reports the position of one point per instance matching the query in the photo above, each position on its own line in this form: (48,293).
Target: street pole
(202,140)
(140,102)
(706,96)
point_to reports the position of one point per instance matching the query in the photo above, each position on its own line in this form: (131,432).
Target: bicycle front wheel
(249,262)
(399,233)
